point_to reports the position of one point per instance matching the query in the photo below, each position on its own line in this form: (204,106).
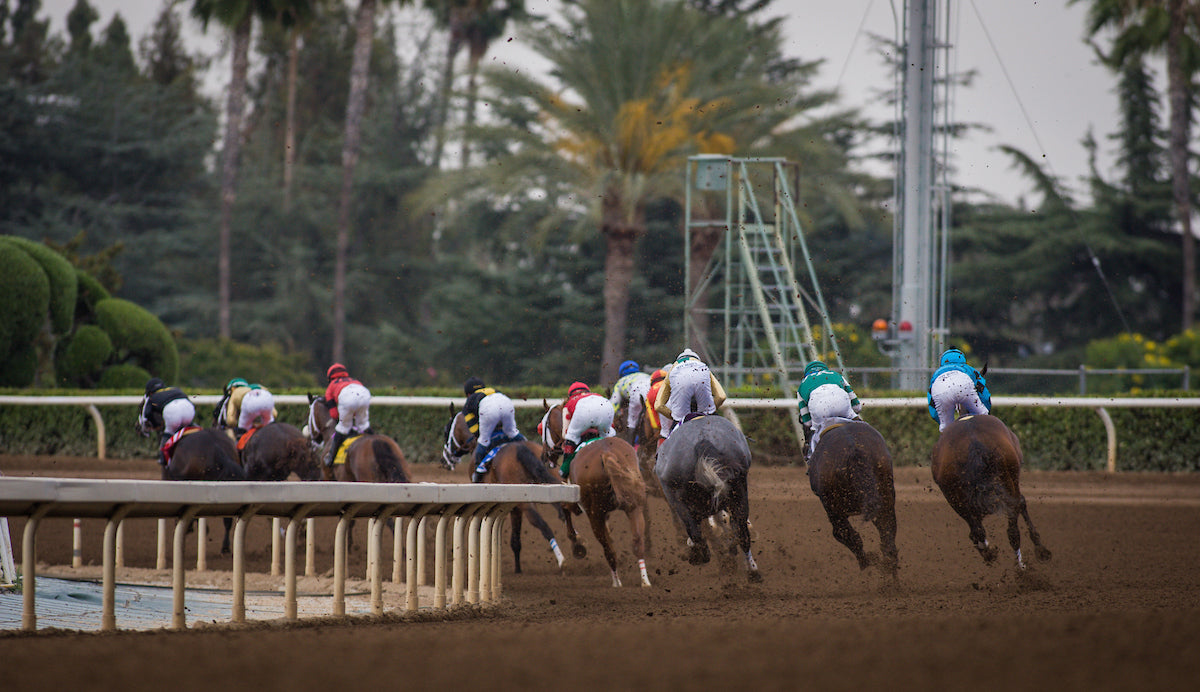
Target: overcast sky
(1038,87)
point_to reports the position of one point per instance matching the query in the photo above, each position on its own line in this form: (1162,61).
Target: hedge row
(1053,438)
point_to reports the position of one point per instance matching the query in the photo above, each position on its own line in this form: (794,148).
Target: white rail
(1097,403)
(474,509)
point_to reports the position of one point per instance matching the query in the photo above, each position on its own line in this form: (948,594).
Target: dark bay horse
(205,455)
(703,468)
(851,473)
(977,464)
(519,463)
(368,458)
(277,450)
(606,471)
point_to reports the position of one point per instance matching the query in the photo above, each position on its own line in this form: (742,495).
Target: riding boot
(565,471)
(480,467)
(162,458)
(338,439)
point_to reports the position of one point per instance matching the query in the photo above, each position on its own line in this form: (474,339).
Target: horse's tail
(229,466)
(981,476)
(713,471)
(302,459)
(534,466)
(391,464)
(627,483)
(862,476)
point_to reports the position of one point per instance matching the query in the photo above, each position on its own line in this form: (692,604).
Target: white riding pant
(177,414)
(691,383)
(353,406)
(638,391)
(592,411)
(496,411)
(954,390)
(258,406)
(828,404)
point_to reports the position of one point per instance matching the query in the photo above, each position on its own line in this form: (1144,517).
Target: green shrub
(138,335)
(25,295)
(63,282)
(213,362)
(89,292)
(124,376)
(84,355)
(20,367)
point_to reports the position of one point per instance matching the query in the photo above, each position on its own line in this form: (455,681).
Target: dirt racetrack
(1117,608)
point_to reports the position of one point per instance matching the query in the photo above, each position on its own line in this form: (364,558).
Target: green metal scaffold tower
(750,203)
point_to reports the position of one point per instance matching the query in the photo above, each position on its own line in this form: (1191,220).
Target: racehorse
(368,458)
(703,468)
(277,450)
(519,463)
(646,439)
(606,471)
(977,464)
(851,473)
(207,454)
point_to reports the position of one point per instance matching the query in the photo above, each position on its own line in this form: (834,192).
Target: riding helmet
(236,382)
(657,376)
(336,370)
(154,385)
(628,368)
(687,354)
(576,387)
(814,366)
(953,356)
(472,385)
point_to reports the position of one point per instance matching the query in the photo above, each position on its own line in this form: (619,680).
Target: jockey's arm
(718,391)
(664,394)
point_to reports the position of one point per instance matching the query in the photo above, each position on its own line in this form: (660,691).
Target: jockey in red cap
(582,411)
(349,404)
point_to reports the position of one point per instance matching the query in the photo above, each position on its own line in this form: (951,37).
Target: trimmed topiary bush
(63,284)
(89,292)
(138,335)
(84,356)
(25,291)
(20,367)
(124,376)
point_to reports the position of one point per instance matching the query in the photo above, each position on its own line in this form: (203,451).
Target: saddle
(168,447)
(693,416)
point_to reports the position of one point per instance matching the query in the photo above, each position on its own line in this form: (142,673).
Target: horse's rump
(627,484)
(389,460)
(848,466)
(533,465)
(981,457)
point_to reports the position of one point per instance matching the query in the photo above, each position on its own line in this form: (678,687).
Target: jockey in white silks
(583,410)
(690,387)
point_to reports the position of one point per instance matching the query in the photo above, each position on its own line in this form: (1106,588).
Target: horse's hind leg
(978,536)
(740,518)
(598,518)
(1041,552)
(540,524)
(639,527)
(515,540)
(1014,536)
(578,549)
(698,548)
(885,523)
(847,536)
(225,541)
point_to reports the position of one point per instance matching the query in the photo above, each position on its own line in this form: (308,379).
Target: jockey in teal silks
(957,386)
(825,397)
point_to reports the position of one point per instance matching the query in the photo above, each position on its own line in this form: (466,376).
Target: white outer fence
(473,512)
(1098,404)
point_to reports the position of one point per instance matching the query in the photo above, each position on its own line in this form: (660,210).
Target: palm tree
(1170,27)
(355,106)
(294,16)
(639,86)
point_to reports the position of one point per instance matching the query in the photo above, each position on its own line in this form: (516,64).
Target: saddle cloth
(168,447)
(245,438)
(341,453)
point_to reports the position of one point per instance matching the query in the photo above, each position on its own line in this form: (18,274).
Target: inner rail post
(239,561)
(29,568)
(108,613)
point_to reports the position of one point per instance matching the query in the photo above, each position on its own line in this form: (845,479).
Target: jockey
(249,405)
(658,379)
(349,404)
(166,409)
(475,391)
(690,388)
(582,411)
(496,425)
(956,385)
(825,397)
(630,389)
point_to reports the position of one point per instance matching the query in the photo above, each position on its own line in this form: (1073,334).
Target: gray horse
(702,467)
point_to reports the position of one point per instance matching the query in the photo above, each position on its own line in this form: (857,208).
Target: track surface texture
(1117,608)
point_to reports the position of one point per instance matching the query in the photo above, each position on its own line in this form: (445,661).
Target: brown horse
(519,463)
(606,471)
(369,458)
(977,464)
(205,455)
(277,450)
(645,440)
(851,473)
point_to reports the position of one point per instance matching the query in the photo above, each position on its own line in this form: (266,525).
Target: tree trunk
(620,238)
(359,74)
(453,45)
(289,132)
(234,106)
(1177,89)
(476,56)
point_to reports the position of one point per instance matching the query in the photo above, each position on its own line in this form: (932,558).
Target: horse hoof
(1043,554)
(579,550)
(989,555)
(754,576)
(698,555)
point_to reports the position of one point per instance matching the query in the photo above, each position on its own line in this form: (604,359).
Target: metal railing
(469,567)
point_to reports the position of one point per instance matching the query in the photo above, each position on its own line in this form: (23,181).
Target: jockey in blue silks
(957,386)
